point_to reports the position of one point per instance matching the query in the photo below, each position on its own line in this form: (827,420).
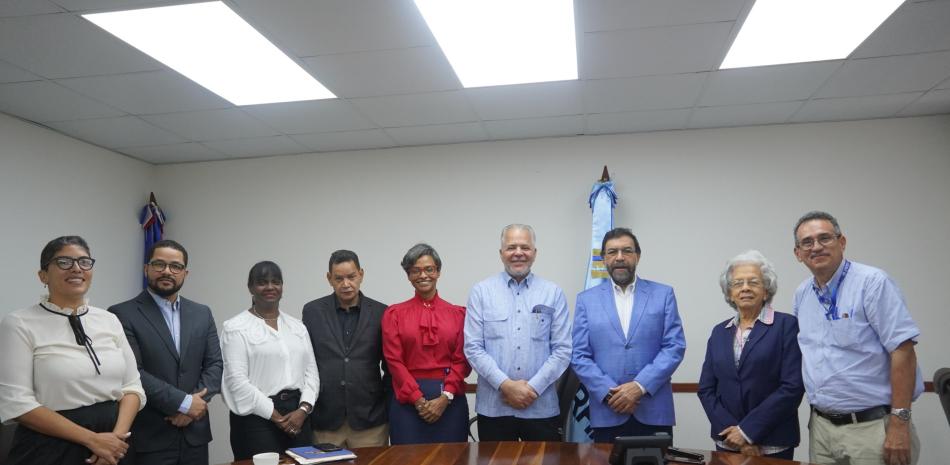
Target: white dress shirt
(42,365)
(623,300)
(260,362)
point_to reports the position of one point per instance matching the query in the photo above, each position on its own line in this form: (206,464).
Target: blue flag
(602,201)
(152,220)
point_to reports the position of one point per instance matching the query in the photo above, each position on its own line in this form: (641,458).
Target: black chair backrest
(942,388)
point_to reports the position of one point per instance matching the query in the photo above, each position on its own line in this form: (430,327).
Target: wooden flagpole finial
(606,176)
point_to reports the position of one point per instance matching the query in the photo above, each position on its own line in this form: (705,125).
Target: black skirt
(406,427)
(32,448)
(251,434)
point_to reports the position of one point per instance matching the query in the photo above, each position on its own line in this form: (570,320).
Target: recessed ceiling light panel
(499,42)
(211,45)
(795,31)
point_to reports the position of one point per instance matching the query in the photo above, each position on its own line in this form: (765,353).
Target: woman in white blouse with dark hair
(67,373)
(270,378)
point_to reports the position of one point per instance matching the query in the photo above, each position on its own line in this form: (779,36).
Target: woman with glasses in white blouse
(67,373)
(270,374)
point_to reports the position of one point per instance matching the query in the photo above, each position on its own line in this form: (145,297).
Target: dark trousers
(406,427)
(787,454)
(252,434)
(32,448)
(514,429)
(181,453)
(631,428)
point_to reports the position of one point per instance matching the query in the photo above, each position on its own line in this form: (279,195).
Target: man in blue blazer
(628,341)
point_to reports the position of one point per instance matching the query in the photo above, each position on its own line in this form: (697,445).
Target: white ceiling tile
(311,116)
(175,153)
(147,93)
(124,131)
(257,146)
(382,72)
(63,45)
(914,28)
(438,134)
(27,7)
(527,100)
(417,109)
(641,121)
(211,125)
(875,106)
(662,50)
(779,83)
(605,15)
(347,140)
(10,73)
(743,115)
(642,93)
(46,101)
(84,5)
(944,84)
(932,103)
(309,28)
(536,127)
(894,74)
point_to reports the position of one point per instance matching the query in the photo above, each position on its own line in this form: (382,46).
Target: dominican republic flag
(152,220)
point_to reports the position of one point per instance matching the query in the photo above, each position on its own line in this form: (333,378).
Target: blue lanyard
(831,313)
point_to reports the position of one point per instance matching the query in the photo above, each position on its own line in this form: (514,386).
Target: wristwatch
(448,395)
(902,413)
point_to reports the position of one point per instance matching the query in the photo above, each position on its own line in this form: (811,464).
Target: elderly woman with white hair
(751,382)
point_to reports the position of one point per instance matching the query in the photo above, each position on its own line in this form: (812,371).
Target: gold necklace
(254,311)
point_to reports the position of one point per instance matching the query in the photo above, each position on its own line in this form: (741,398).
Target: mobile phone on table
(327,447)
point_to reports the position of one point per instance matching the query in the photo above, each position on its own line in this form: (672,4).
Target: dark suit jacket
(166,376)
(351,385)
(763,394)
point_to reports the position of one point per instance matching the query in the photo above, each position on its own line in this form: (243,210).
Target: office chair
(942,388)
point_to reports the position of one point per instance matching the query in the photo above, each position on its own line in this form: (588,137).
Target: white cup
(266,458)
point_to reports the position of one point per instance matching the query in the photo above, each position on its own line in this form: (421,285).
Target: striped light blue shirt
(846,362)
(517,331)
(171,311)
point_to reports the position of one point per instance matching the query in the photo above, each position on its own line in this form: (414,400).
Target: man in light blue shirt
(518,340)
(858,360)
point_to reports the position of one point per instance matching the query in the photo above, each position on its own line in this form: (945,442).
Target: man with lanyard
(858,360)
(518,339)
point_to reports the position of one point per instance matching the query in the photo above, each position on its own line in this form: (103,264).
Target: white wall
(52,185)
(695,198)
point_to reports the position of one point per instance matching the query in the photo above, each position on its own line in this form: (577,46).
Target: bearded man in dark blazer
(345,329)
(179,359)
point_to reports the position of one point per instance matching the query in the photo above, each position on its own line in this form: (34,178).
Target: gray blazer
(354,381)
(167,376)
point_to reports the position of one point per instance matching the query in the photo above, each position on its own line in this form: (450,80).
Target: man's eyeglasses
(159,266)
(618,252)
(67,263)
(823,239)
(416,272)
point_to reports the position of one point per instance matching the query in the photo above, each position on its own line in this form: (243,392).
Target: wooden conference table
(511,453)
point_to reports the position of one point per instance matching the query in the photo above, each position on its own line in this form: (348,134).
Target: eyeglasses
(416,272)
(738,283)
(619,252)
(823,239)
(159,266)
(67,263)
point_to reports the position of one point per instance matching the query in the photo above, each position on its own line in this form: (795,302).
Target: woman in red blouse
(422,343)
